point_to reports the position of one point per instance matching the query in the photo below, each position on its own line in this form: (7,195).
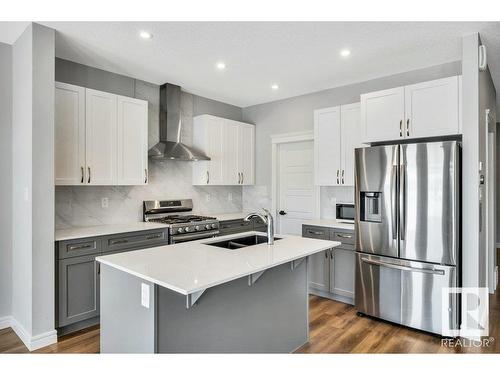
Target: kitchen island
(195,297)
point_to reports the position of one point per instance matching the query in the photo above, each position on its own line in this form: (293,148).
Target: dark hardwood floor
(334,328)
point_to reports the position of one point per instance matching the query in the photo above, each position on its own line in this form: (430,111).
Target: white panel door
(100,137)
(297,194)
(246,153)
(432,108)
(382,115)
(69,121)
(132,141)
(327,149)
(350,139)
(230,140)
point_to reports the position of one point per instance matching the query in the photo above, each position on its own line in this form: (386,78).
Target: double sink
(240,242)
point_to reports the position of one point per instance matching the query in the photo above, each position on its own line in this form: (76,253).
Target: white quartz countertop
(192,266)
(102,230)
(330,223)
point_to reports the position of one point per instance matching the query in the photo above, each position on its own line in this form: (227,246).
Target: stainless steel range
(182,225)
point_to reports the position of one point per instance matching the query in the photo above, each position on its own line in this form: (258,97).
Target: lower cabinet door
(319,271)
(342,269)
(78,289)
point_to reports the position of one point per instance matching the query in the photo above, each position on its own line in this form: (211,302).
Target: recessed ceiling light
(145,35)
(275,86)
(221,65)
(345,53)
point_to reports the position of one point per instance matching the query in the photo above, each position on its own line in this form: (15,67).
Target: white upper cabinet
(336,134)
(327,150)
(426,109)
(350,127)
(246,153)
(231,148)
(132,146)
(382,114)
(101,138)
(432,108)
(69,134)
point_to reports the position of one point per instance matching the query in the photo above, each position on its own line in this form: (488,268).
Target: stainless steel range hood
(170,146)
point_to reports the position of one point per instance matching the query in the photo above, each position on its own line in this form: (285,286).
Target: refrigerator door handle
(394,202)
(402,206)
(403,268)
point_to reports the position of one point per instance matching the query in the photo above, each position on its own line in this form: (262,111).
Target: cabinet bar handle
(88,181)
(242,177)
(343,176)
(115,242)
(78,247)
(314,232)
(331,254)
(407,127)
(83,172)
(400,128)
(326,254)
(338,177)
(239,178)
(153,236)
(208,177)
(344,235)
(146,176)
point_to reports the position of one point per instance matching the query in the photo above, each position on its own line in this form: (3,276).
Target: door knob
(282,212)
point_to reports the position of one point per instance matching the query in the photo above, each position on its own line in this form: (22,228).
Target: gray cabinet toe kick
(332,272)
(78,274)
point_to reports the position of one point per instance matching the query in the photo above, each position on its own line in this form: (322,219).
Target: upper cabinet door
(246,153)
(101,134)
(230,152)
(327,147)
(350,139)
(382,115)
(132,145)
(69,134)
(432,108)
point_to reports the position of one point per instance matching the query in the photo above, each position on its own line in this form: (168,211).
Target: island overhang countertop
(193,266)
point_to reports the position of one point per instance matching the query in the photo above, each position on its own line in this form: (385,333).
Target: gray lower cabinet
(77,273)
(78,293)
(331,272)
(239,226)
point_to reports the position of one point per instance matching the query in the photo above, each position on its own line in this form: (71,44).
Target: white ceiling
(301,57)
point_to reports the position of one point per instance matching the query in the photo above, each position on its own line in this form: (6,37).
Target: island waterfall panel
(269,316)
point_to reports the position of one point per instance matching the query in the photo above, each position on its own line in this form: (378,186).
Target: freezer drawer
(407,293)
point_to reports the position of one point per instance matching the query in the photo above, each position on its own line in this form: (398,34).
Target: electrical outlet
(229,197)
(104,202)
(207,197)
(145,295)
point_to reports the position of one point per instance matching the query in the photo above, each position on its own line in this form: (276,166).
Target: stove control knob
(180,230)
(214,225)
(197,227)
(187,229)
(207,226)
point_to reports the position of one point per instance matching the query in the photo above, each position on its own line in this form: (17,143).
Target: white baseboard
(32,342)
(5,322)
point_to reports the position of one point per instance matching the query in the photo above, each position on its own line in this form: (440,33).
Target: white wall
(296,114)
(32,186)
(6,179)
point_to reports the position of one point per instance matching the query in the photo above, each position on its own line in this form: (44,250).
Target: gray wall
(296,114)
(33,181)
(6,180)
(81,205)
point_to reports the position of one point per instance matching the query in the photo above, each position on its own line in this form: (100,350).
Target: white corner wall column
(33,60)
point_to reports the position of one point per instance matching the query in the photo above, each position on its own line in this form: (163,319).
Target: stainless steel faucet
(267,218)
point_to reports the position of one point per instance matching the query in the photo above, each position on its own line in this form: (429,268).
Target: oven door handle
(195,236)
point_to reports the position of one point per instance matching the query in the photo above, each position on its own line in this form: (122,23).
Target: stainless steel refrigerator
(408,233)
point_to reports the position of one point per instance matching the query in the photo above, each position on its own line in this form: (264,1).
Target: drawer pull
(153,236)
(116,242)
(344,235)
(315,232)
(79,247)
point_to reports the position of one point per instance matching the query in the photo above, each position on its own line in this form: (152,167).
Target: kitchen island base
(266,313)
